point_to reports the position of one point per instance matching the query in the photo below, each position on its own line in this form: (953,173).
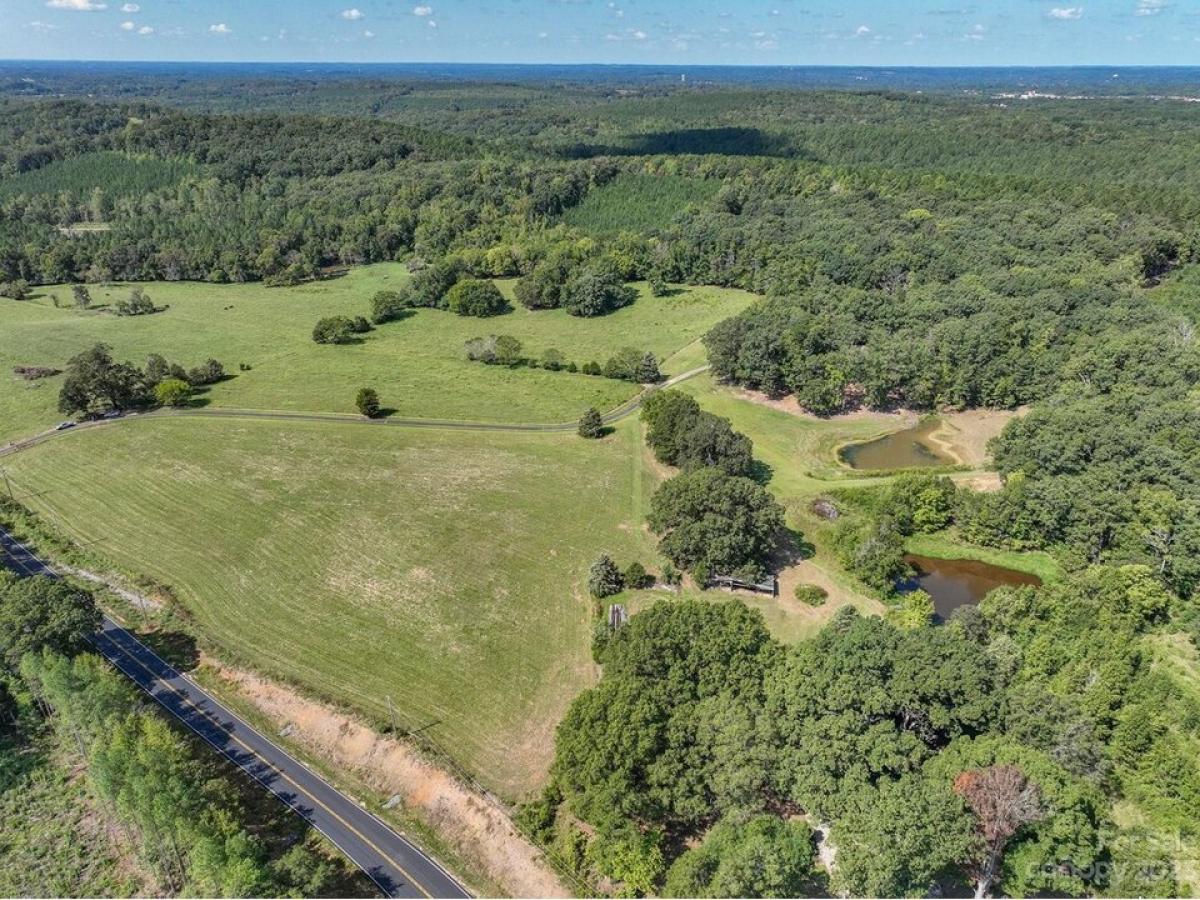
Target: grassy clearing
(639,203)
(417,364)
(801,454)
(800,450)
(445,569)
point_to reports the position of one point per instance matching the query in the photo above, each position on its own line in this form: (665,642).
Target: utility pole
(8,485)
(392,715)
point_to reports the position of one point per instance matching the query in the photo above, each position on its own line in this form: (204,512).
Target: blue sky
(764,32)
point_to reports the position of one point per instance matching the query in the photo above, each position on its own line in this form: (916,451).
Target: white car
(63,426)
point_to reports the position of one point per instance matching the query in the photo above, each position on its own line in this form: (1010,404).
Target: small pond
(960,582)
(906,449)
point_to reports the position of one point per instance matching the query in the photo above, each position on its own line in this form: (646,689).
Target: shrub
(430,284)
(209,372)
(472,297)
(367,401)
(592,368)
(553,360)
(172,392)
(334,330)
(494,350)
(138,304)
(386,306)
(604,578)
(595,291)
(508,350)
(636,577)
(591,424)
(812,594)
(15,290)
(33,373)
(633,365)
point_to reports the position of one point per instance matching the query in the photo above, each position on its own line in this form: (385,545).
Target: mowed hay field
(417,364)
(446,569)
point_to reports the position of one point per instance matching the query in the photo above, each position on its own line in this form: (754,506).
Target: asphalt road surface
(397,867)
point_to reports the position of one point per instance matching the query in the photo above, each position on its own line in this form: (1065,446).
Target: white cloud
(1066,13)
(353,14)
(127,26)
(145,29)
(368,34)
(422,10)
(79,5)
(131,8)
(862,30)
(976,33)
(220,28)
(1150,7)
(42,26)
(543,35)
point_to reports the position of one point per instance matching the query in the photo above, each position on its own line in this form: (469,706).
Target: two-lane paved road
(399,868)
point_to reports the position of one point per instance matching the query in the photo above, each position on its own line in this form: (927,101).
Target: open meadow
(446,569)
(417,364)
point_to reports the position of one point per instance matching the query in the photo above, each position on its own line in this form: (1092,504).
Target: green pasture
(445,569)
(417,364)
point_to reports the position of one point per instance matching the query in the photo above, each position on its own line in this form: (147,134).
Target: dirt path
(809,572)
(472,824)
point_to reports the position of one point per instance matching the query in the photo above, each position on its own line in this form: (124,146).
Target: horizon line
(614,65)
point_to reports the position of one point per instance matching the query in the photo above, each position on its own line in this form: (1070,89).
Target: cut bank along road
(624,411)
(398,867)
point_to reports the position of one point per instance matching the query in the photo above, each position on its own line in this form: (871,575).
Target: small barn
(769,586)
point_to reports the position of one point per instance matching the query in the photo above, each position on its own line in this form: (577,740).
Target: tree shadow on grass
(176,647)
(761,472)
(791,548)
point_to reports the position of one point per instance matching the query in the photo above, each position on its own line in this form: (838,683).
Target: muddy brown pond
(909,448)
(960,582)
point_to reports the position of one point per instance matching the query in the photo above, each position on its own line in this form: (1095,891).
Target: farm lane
(624,411)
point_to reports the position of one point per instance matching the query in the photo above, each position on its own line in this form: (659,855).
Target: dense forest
(912,251)
(171,811)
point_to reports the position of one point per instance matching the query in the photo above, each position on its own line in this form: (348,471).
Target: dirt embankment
(965,435)
(472,824)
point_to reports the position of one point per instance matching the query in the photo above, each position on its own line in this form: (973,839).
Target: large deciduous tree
(712,523)
(95,382)
(44,613)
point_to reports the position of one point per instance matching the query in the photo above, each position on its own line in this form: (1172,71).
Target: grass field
(417,364)
(445,569)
